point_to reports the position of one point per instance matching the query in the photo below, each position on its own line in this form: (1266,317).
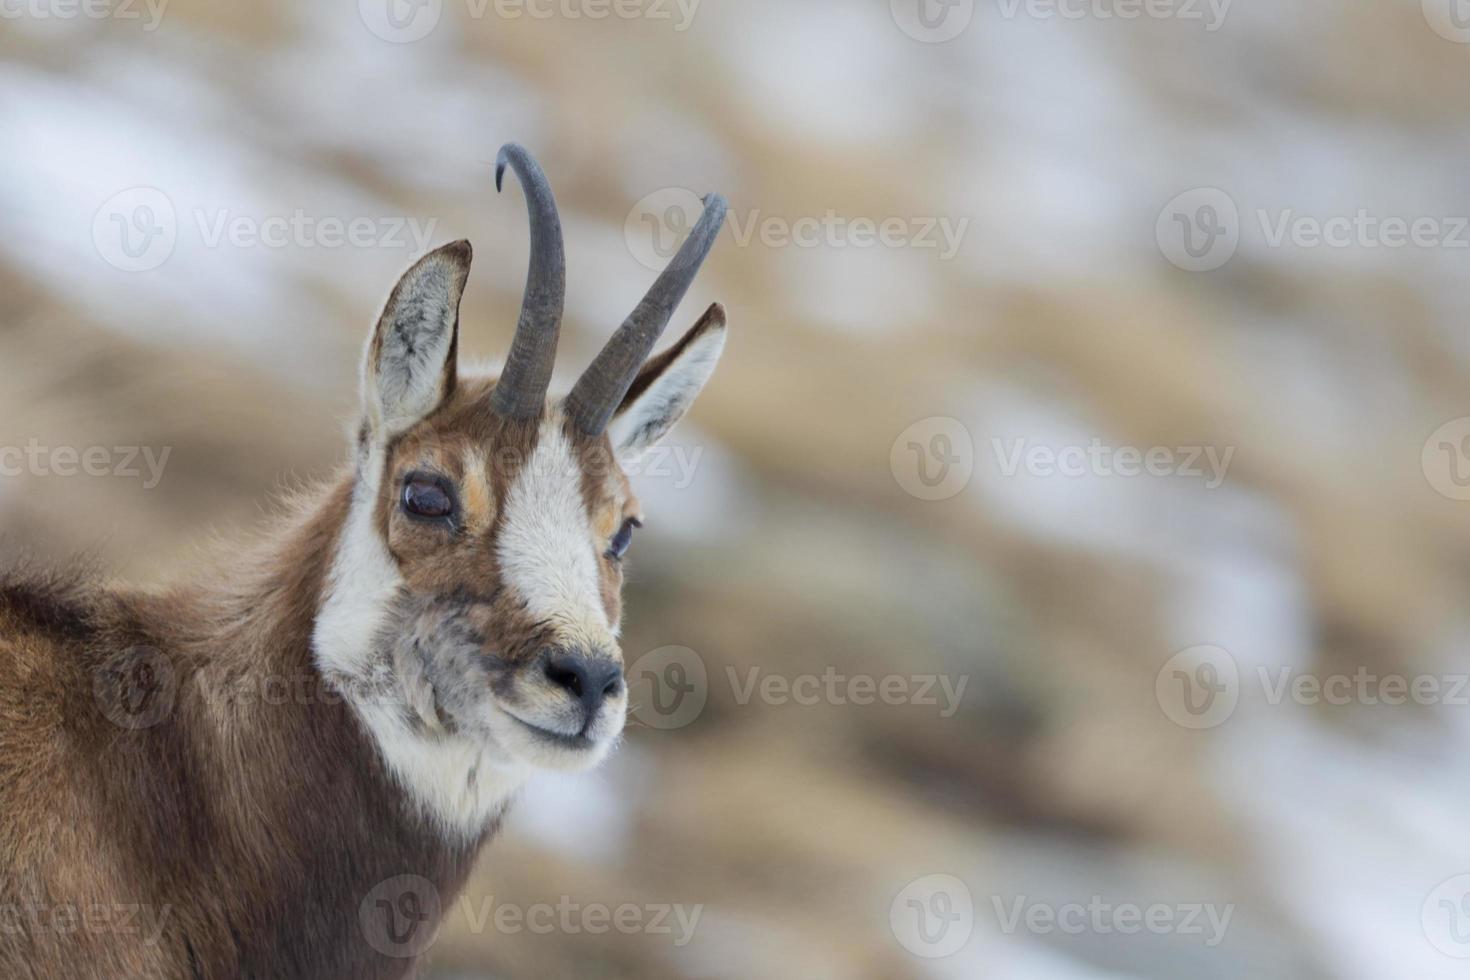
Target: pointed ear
(411,365)
(667,386)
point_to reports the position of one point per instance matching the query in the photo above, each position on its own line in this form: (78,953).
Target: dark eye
(620,542)
(427,497)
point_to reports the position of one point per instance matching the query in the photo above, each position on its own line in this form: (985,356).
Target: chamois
(437,622)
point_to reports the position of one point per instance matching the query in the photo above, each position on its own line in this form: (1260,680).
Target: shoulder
(64,602)
(57,622)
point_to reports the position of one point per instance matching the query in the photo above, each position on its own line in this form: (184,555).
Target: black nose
(588,679)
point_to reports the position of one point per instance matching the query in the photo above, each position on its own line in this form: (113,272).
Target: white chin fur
(525,746)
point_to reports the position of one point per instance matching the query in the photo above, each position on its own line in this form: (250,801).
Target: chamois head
(478,576)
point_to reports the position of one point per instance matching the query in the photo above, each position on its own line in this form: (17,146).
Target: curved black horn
(600,390)
(521,391)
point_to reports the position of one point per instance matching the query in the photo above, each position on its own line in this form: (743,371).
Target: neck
(292,808)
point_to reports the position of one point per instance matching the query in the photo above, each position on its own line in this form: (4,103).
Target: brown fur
(230,838)
(184,795)
(247,830)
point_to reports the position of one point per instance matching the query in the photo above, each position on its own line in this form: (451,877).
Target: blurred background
(1059,579)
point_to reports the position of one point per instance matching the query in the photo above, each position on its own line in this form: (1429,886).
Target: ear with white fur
(667,386)
(411,365)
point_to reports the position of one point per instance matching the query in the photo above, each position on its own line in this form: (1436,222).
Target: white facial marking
(362,581)
(547,550)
